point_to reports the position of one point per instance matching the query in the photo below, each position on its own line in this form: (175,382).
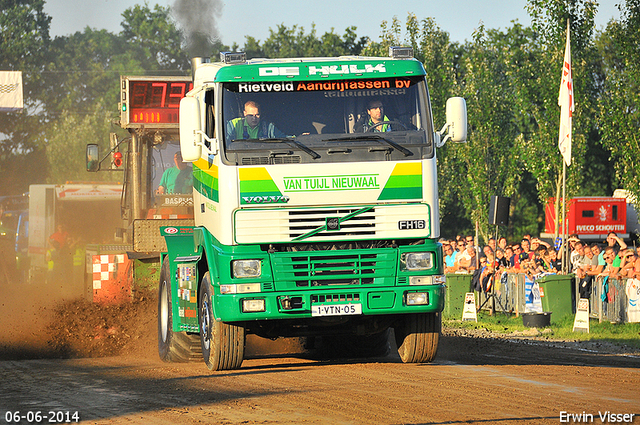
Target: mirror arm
(445,128)
(112,150)
(212,147)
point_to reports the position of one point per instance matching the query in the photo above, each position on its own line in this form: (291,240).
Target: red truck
(590,217)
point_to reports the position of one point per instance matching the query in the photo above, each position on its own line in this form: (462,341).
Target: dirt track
(475,379)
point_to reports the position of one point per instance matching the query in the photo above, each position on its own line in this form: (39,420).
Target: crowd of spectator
(536,257)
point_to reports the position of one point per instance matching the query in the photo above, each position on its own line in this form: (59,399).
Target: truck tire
(417,337)
(222,343)
(173,346)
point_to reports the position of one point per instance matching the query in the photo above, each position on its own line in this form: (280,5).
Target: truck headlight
(417,261)
(246,268)
(417,298)
(251,306)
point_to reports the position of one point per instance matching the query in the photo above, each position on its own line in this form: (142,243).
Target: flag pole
(565,249)
(566,103)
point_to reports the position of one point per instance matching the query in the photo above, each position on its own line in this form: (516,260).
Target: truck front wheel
(222,343)
(172,346)
(417,337)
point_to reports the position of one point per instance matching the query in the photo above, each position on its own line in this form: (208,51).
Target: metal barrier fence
(614,300)
(617,301)
(508,294)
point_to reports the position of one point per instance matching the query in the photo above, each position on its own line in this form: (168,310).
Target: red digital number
(176,92)
(158,94)
(156,102)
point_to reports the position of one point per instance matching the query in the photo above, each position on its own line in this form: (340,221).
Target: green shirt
(175,180)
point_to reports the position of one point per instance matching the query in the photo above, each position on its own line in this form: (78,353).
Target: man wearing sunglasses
(250,126)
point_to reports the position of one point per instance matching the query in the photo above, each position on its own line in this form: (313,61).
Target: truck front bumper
(329,302)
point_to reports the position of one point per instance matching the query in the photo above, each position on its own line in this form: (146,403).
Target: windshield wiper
(391,143)
(293,140)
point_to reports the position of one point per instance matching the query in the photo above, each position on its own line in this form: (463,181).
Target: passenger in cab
(374,120)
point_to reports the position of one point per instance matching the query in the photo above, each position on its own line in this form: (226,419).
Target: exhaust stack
(195,64)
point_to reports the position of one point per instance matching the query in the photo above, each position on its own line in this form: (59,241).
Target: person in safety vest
(374,119)
(250,126)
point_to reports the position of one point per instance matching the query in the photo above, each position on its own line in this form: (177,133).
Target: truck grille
(304,221)
(311,225)
(327,269)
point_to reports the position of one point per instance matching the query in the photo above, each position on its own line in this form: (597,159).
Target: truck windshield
(326,121)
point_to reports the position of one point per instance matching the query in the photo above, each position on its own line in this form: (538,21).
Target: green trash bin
(457,286)
(557,295)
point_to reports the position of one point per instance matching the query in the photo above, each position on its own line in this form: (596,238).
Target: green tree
(24,30)
(82,69)
(537,77)
(619,108)
(152,36)
(490,167)
(82,87)
(24,37)
(291,42)
(67,137)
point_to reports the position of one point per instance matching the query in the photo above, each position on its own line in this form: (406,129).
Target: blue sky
(255,17)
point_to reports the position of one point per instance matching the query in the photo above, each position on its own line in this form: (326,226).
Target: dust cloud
(48,313)
(26,311)
(49,320)
(52,320)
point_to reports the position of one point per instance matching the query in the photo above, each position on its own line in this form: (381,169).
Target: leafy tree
(539,81)
(24,29)
(67,137)
(291,42)
(251,47)
(488,160)
(81,70)
(24,36)
(619,113)
(82,87)
(153,36)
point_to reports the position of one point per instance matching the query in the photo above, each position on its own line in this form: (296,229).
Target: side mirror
(190,131)
(93,157)
(456,111)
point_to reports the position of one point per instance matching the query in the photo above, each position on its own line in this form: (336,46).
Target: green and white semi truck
(314,225)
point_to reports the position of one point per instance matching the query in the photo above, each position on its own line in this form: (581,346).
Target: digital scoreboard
(152,102)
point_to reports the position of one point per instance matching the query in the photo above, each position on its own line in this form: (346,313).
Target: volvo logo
(265,199)
(333,223)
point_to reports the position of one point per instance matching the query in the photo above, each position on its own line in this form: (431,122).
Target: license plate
(336,309)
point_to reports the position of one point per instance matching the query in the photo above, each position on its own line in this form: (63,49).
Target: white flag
(11,91)
(565,101)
